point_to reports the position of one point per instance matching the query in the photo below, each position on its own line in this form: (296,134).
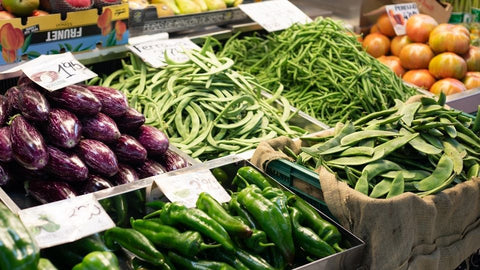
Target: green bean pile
(419,147)
(207,109)
(324,70)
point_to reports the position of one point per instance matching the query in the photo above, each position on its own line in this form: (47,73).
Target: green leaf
(68,47)
(77,47)
(26,43)
(33,54)
(53,52)
(110,39)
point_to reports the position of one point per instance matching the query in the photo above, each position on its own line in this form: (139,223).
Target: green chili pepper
(188,243)
(306,239)
(137,264)
(270,218)
(185,263)
(214,209)
(257,242)
(250,175)
(327,231)
(229,258)
(136,243)
(251,261)
(279,198)
(175,213)
(98,260)
(236,208)
(220,175)
(45,264)
(18,250)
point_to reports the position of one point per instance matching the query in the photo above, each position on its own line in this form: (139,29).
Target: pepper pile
(262,227)
(420,147)
(323,68)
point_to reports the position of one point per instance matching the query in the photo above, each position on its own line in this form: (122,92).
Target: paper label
(153,52)
(54,72)
(275,15)
(399,14)
(66,221)
(185,188)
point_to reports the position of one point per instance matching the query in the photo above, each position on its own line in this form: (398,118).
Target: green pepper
(279,198)
(156,205)
(116,208)
(251,261)
(275,258)
(18,250)
(249,175)
(45,264)
(174,213)
(215,210)
(227,257)
(257,242)
(137,264)
(220,175)
(270,218)
(185,263)
(188,243)
(237,209)
(307,239)
(98,260)
(327,231)
(136,243)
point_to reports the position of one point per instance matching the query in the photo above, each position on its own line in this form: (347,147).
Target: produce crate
(55,33)
(146,21)
(16,199)
(348,259)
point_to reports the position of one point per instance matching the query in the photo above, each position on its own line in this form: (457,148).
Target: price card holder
(185,188)
(66,221)
(153,52)
(399,14)
(275,15)
(54,72)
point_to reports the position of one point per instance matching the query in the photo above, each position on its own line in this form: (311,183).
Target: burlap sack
(406,231)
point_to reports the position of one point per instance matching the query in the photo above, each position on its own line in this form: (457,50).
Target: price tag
(275,15)
(399,14)
(185,188)
(153,52)
(54,72)
(66,221)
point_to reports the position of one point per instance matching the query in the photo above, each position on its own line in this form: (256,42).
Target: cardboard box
(372,9)
(77,31)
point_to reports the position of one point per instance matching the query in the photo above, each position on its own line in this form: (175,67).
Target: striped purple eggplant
(4,111)
(154,140)
(63,128)
(173,161)
(5,144)
(101,128)
(126,174)
(128,149)
(98,157)
(28,146)
(68,167)
(131,121)
(46,191)
(12,95)
(150,168)
(77,99)
(95,183)
(32,103)
(5,177)
(114,102)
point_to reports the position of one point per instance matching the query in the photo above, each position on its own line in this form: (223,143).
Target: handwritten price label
(275,15)
(66,221)
(399,14)
(153,52)
(185,188)
(54,72)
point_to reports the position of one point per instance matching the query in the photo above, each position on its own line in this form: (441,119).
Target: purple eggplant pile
(76,140)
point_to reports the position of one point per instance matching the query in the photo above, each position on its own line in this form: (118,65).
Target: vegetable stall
(303,147)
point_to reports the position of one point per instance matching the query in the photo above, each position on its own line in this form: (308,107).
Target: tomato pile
(436,57)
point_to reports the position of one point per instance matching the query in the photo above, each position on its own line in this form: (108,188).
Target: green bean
(473,171)
(355,137)
(454,155)
(397,186)
(381,188)
(358,151)
(432,140)
(410,175)
(439,188)
(421,145)
(441,173)
(362,184)
(408,111)
(390,146)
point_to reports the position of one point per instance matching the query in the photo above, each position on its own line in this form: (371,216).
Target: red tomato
(449,38)
(393,62)
(398,43)
(472,57)
(419,27)
(448,86)
(415,56)
(472,80)
(419,77)
(385,26)
(376,44)
(448,65)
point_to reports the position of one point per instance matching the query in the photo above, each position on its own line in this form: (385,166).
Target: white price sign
(185,188)
(54,72)
(275,15)
(153,52)
(66,221)
(399,14)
